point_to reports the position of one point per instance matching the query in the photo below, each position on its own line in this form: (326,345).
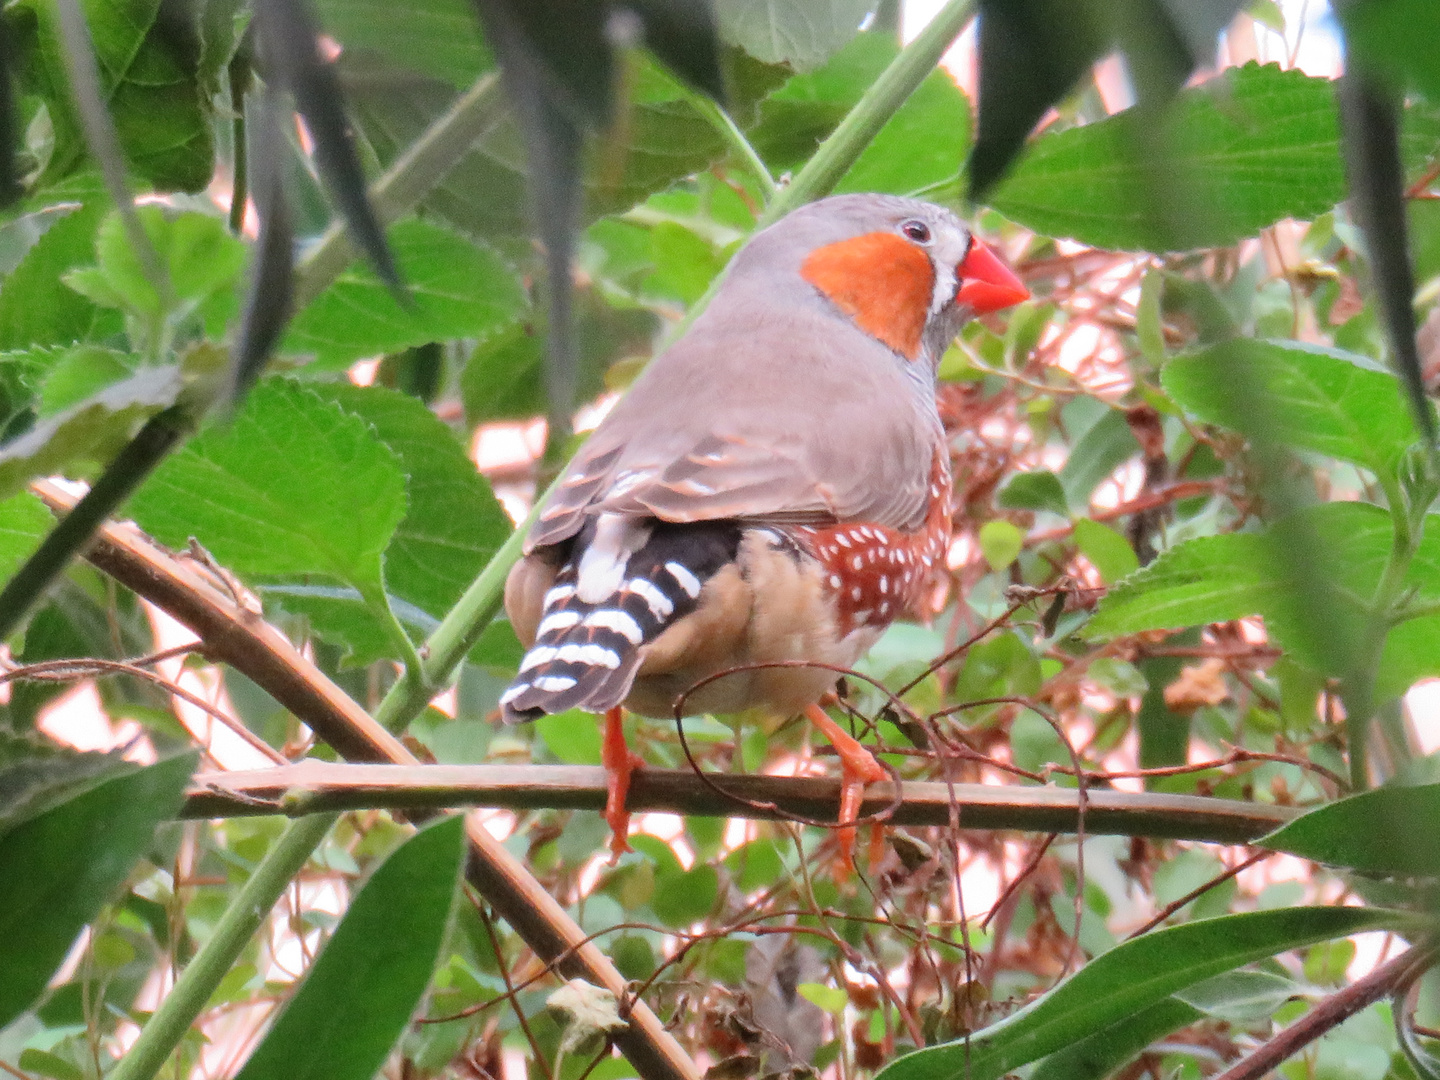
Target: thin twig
(68,670)
(1200,890)
(520,1016)
(1333,1011)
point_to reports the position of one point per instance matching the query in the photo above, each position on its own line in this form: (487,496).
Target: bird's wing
(824,432)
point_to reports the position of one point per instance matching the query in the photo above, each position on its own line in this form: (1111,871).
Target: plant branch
(311,786)
(1333,1011)
(234,635)
(186,1000)
(721,121)
(140,455)
(457,633)
(871,113)
(409,179)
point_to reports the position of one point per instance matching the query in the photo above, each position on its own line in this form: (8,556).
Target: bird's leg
(619,763)
(858,767)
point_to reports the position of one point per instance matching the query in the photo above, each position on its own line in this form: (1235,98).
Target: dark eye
(917,231)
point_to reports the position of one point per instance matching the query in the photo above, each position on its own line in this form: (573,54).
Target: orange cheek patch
(880,280)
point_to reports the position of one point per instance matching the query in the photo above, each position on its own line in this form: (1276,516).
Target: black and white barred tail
(586,652)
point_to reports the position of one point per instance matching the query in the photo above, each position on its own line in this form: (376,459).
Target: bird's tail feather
(585,655)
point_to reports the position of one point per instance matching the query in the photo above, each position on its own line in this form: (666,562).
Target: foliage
(1196,551)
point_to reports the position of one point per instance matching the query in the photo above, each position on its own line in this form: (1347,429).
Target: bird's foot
(858,767)
(619,763)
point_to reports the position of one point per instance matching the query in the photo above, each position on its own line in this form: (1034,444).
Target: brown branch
(68,670)
(1333,1011)
(312,786)
(259,651)
(1195,893)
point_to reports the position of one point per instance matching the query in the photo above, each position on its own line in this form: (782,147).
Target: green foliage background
(1206,538)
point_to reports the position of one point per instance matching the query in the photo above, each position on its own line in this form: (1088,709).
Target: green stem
(872,112)
(467,620)
(456,634)
(720,120)
(414,666)
(161,433)
(409,179)
(1387,607)
(169,1023)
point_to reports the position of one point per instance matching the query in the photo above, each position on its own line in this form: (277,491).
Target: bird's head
(906,272)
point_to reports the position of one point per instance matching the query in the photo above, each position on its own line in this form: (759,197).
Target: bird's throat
(882,281)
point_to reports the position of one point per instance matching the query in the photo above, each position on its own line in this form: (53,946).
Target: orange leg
(619,763)
(858,767)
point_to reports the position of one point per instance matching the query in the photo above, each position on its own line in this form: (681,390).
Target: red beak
(986,283)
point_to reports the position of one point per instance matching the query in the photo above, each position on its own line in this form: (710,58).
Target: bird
(770,494)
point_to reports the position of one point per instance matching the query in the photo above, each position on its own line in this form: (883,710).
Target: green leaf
(368,980)
(685,897)
(573,737)
(436,37)
(685,264)
(196,250)
(667,140)
(831,999)
(922,144)
(1391,830)
(294,485)
(1130,978)
(1208,579)
(36,308)
(1411,653)
(1001,543)
(24,522)
(452,526)
(1038,489)
(1110,552)
(802,35)
(457,289)
(453,523)
(36,774)
(1104,447)
(1096,1056)
(59,868)
(47,1064)
(149,74)
(79,371)
(90,432)
(502,379)
(1338,404)
(161,111)
(1250,147)
(1241,997)
(1399,37)
(1218,578)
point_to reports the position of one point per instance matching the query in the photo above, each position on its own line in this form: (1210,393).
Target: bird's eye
(917,231)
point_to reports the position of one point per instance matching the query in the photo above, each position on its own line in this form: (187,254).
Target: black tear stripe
(588,657)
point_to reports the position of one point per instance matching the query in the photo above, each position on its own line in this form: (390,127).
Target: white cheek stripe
(945,287)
